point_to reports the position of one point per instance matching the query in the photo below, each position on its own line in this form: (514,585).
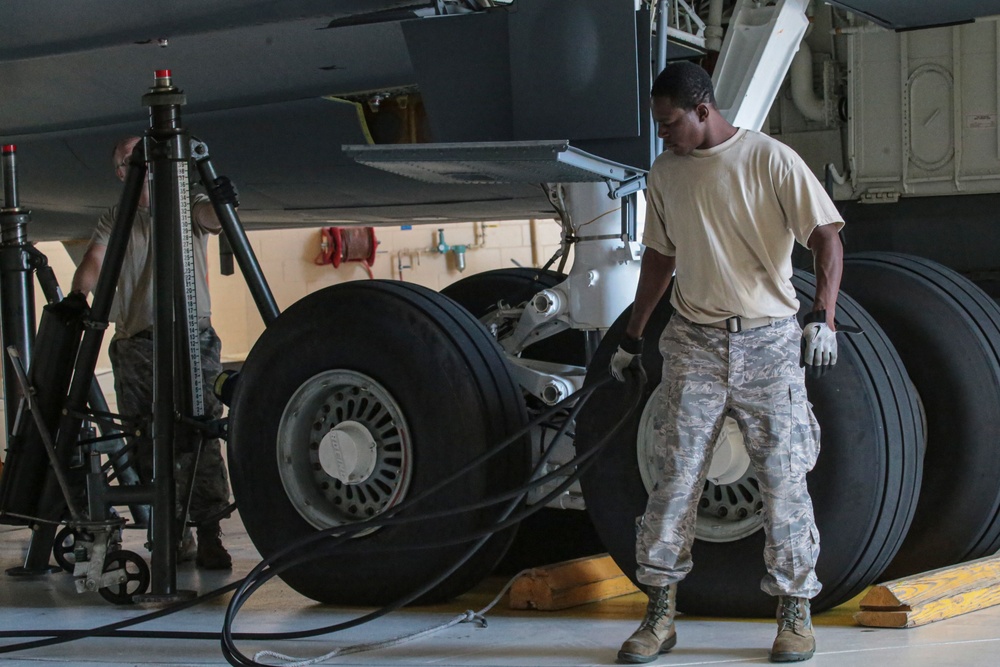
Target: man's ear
(703,112)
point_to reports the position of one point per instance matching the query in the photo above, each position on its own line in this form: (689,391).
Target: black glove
(73,306)
(75,297)
(224,190)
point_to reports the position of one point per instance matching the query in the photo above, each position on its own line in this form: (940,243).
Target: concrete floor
(587,635)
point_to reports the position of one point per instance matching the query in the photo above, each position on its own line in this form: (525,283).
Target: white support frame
(755,57)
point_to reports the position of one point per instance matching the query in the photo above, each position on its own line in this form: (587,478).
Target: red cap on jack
(162,74)
(9,148)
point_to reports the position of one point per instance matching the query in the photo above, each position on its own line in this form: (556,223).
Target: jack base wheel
(133,582)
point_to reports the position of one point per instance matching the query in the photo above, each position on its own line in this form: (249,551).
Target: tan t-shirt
(731,214)
(132,309)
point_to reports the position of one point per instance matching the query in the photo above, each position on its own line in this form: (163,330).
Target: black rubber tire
(451,383)
(947,332)
(550,535)
(863,488)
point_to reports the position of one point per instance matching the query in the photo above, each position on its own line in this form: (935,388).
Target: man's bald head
(123,149)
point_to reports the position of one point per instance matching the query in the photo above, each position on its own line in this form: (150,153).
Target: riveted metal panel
(574,74)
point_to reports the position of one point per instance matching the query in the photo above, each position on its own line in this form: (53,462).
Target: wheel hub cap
(344,450)
(348,453)
(730,460)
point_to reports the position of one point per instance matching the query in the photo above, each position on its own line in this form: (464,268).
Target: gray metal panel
(284,158)
(574,73)
(484,163)
(635,150)
(462,68)
(909,15)
(238,67)
(50,27)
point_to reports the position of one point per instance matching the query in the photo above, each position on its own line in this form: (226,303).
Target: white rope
(468,616)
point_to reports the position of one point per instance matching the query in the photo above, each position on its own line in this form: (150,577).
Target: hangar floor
(587,635)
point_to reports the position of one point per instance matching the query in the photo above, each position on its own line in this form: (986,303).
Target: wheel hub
(348,453)
(731,503)
(344,450)
(730,460)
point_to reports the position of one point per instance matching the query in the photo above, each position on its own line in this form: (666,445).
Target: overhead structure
(908,15)
(756,54)
(500,162)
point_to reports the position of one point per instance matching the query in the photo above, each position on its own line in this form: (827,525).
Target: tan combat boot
(656,633)
(795,639)
(211,554)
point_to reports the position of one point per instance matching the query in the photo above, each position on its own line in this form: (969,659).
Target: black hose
(337,536)
(268,568)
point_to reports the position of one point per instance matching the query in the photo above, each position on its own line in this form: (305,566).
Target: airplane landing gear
(551,534)
(413,372)
(864,486)
(947,332)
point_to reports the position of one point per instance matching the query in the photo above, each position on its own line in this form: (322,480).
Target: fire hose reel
(347,244)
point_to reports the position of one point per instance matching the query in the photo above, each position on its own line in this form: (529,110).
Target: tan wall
(287,259)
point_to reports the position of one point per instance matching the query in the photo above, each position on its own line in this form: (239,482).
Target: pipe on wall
(806,101)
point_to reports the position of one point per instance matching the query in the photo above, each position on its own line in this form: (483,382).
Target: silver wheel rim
(726,512)
(353,404)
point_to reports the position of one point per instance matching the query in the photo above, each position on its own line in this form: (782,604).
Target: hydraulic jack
(54,475)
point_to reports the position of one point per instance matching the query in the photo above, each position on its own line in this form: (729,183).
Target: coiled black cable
(335,537)
(287,558)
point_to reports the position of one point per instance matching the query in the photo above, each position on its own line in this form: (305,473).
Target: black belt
(736,324)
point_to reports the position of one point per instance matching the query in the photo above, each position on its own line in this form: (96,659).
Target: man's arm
(204,213)
(654,277)
(205,218)
(828,261)
(85,277)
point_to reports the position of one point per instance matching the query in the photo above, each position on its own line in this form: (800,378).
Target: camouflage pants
(754,377)
(132,362)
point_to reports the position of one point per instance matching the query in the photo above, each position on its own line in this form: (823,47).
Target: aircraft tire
(947,332)
(550,535)
(864,486)
(429,384)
